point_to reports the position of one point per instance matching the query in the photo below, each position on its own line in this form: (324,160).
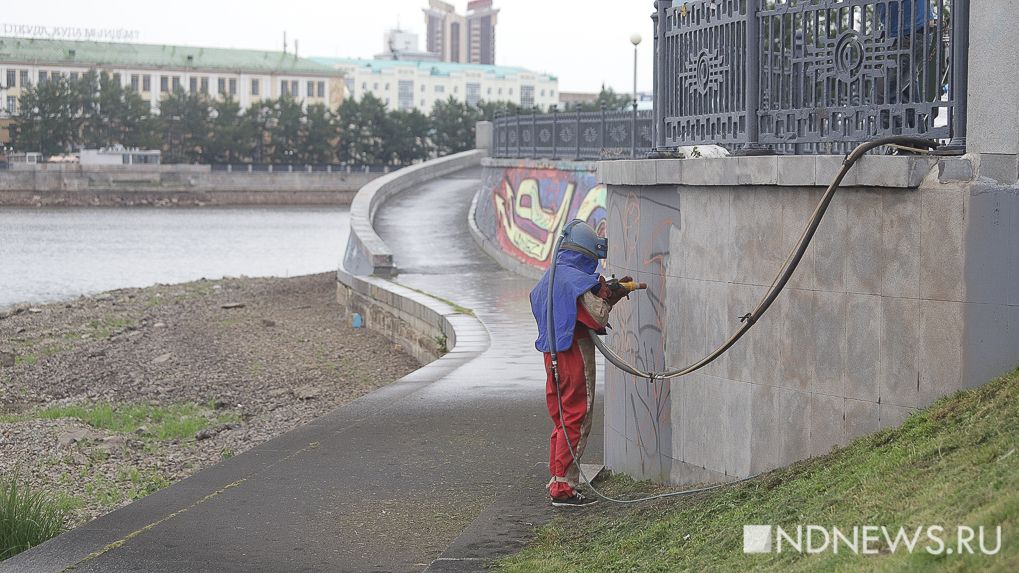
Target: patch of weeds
(227,453)
(174,422)
(255,368)
(441,341)
(456,307)
(27,359)
(27,517)
(103,328)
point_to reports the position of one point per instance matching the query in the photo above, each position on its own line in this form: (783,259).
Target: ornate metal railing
(808,75)
(574,135)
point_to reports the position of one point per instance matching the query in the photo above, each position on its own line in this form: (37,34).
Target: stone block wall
(909,292)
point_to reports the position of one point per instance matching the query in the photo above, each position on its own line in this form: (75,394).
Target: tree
(285,133)
(184,119)
(231,133)
(407,138)
(318,135)
(48,120)
(608,99)
(362,125)
(453,126)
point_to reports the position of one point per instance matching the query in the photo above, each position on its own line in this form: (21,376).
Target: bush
(27,518)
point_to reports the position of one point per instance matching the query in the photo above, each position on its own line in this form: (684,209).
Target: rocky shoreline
(105,399)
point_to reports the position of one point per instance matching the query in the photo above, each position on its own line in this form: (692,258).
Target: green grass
(27,517)
(952,464)
(456,307)
(175,422)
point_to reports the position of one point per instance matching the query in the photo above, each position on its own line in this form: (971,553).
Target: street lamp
(635,40)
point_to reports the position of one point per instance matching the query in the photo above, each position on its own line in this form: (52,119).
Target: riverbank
(105,399)
(173,185)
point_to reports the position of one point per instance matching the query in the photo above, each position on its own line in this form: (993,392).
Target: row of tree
(94,111)
(61,116)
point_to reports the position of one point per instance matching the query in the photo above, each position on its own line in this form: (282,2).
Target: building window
(12,105)
(456,89)
(135,82)
(542,93)
(311,88)
(42,78)
(500,91)
(422,88)
(254,87)
(321,89)
(221,86)
(387,87)
(349,82)
(74,76)
(12,77)
(405,94)
(489,91)
(146,83)
(440,89)
(284,87)
(552,93)
(422,103)
(364,86)
(164,84)
(193,85)
(511,91)
(473,94)
(233,86)
(176,83)
(205,85)
(294,90)
(526,96)
(375,87)
(116,79)
(23,78)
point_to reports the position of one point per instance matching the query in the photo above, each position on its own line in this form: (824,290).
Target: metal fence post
(602,152)
(516,131)
(659,19)
(960,78)
(534,132)
(578,133)
(555,130)
(752,83)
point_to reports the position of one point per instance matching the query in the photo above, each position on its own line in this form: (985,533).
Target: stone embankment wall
(183,185)
(909,292)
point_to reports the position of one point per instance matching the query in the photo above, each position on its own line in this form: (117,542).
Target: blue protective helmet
(580,237)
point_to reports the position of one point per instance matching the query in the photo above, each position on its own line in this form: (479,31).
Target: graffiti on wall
(639,246)
(531,206)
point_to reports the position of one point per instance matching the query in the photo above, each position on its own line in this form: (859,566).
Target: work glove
(610,291)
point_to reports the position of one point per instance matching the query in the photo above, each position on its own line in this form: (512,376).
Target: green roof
(436,68)
(103,54)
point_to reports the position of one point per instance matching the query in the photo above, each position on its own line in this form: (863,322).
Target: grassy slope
(952,464)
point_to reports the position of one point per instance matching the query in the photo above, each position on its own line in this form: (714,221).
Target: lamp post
(635,40)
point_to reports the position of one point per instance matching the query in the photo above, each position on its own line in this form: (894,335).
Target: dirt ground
(247,358)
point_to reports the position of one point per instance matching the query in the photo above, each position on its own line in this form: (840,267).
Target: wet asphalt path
(386,483)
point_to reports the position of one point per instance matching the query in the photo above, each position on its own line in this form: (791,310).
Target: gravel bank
(248,358)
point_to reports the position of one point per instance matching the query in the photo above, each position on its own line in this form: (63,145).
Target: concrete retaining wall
(367,253)
(910,291)
(66,185)
(523,204)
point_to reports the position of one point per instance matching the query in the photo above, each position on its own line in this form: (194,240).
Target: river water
(55,254)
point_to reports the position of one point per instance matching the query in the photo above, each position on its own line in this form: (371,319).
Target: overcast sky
(584,43)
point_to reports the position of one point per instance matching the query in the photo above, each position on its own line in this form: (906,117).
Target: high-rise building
(481,20)
(403,45)
(461,39)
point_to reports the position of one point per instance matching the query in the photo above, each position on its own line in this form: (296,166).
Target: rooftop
(436,68)
(71,52)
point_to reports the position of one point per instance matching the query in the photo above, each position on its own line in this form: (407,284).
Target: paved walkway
(449,469)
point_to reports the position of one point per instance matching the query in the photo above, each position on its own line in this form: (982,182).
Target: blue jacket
(913,10)
(576,274)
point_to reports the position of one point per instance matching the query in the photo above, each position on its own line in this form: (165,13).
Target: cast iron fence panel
(574,135)
(702,55)
(844,71)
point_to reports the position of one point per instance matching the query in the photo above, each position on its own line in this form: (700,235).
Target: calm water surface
(56,254)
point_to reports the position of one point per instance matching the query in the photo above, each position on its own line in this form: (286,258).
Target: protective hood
(576,274)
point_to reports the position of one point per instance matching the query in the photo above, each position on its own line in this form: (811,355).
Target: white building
(156,71)
(405,85)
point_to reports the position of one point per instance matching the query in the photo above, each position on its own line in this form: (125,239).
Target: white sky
(584,43)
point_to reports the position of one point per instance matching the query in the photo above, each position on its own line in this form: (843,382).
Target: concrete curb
(492,249)
(367,253)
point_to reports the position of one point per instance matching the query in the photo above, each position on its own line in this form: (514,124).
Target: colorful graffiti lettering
(532,205)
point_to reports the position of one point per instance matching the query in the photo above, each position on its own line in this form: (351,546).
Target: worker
(581,299)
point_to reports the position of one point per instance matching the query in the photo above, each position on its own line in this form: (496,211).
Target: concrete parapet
(366,252)
(908,292)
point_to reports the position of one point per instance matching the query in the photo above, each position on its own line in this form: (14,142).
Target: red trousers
(576,384)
